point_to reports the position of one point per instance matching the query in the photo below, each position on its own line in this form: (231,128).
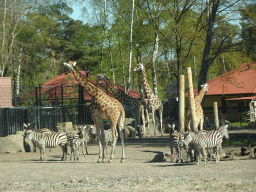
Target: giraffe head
(69,64)
(205,86)
(101,76)
(139,67)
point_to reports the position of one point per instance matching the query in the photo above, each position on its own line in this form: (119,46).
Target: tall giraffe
(151,101)
(103,107)
(129,103)
(198,108)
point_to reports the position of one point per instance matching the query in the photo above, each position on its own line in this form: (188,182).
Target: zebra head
(93,130)
(224,131)
(188,137)
(28,135)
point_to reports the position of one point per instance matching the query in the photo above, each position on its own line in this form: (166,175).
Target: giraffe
(151,101)
(102,107)
(129,103)
(198,108)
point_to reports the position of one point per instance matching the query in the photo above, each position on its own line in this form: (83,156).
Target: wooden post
(192,100)
(181,104)
(216,117)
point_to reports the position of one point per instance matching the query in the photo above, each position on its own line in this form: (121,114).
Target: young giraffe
(199,110)
(151,101)
(103,107)
(129,103)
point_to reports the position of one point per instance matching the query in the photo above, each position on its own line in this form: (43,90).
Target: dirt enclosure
(24,172)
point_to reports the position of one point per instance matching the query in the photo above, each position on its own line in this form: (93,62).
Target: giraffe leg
(147,121)
(154,121)
(121,128)
(143,119)
(160,111)
(136,123)
(100,131)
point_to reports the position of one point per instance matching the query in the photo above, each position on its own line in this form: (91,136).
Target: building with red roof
(237,85)
(66,87)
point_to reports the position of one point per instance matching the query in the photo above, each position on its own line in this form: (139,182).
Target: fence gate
(12,119)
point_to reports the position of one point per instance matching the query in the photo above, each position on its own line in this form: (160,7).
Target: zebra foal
(43,141)
(74,144)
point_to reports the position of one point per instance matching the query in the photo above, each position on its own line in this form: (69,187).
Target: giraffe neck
(91,89)
(112,86)
(201,95)
(147,89)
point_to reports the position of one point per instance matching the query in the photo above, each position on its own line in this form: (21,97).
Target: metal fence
(12,119)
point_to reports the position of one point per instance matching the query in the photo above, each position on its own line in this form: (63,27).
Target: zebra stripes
(176,141)
(43,141)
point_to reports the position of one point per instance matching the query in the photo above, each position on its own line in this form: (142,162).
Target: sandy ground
(24,172)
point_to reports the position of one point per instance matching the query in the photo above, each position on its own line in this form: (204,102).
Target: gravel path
(24,172)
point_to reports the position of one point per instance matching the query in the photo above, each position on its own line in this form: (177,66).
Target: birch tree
(130,53)
(12,24)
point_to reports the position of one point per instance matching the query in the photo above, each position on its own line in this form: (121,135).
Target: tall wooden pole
(181,103)
(216,117)
(191,99)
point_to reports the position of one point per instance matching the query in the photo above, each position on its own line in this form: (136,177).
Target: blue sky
(77,14)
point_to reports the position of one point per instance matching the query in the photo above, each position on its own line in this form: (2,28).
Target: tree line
(210,36)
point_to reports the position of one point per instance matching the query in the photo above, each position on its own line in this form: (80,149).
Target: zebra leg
(178,154)
(82,145)
(77,153)
(64,150)
(86,147)
(34,146)
(204,155)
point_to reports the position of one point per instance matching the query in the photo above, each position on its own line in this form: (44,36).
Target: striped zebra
(43,130)
(74,144)
(176,141)
(203,141)
(47,141)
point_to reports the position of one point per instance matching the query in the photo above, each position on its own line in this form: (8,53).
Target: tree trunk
(154,63)
(112,65)
(206,62)
(167,67)
(130,56)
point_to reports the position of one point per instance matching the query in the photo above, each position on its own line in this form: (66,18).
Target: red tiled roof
(241,80)
(52,87)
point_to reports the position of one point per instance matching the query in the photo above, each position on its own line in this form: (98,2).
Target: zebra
(176,141)
(223,131)
(84,135)
(47,141)
(202,141)
(108,138)
(43,130)
(74,144)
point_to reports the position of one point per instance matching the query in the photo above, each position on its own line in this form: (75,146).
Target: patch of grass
(238,124)
(239,143)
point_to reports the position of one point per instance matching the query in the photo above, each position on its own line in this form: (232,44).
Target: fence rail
(12,119)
